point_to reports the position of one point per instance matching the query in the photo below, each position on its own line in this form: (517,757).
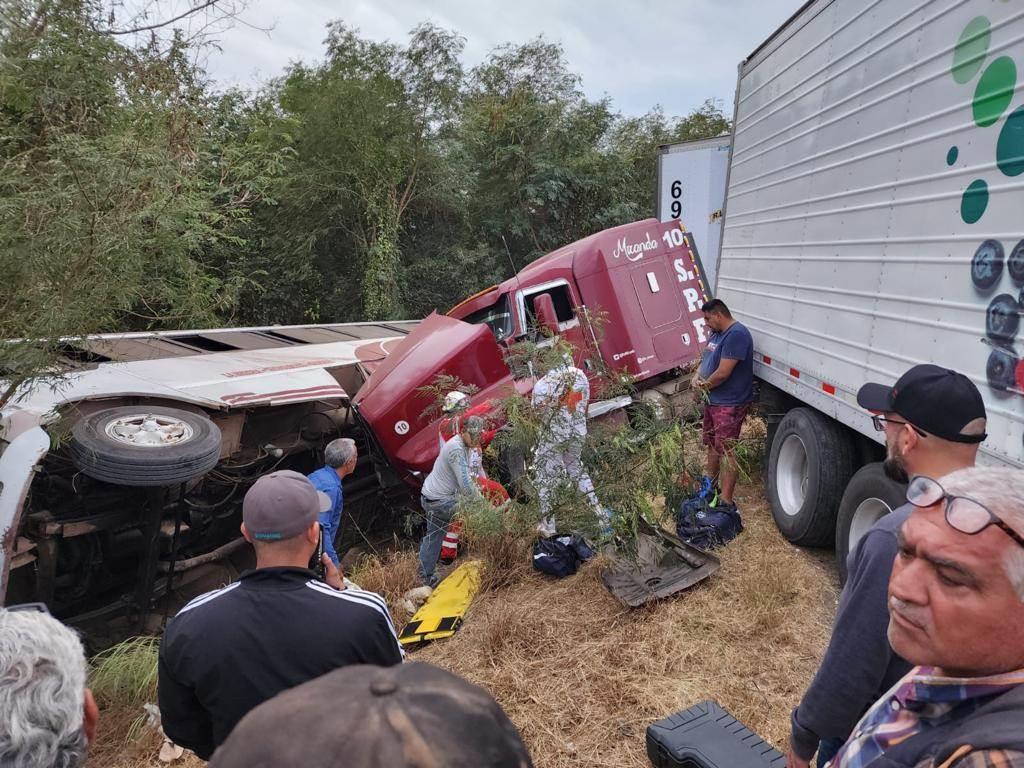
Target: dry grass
(582,676)
(506,559)
(390,577)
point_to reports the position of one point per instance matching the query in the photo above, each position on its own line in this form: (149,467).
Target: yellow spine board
(442,614)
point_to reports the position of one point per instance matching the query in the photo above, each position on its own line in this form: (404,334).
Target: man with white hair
(47,715)
(340,458)
(956,610)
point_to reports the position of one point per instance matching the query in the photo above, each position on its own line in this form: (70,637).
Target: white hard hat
(454,400)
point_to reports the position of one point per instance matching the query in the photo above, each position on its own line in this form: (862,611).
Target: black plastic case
(706,736)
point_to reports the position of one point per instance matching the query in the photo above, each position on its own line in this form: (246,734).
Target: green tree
(107,203)
(367,126)
(383,182)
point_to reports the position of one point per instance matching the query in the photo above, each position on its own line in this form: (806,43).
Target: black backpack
(561,555)
(704,526)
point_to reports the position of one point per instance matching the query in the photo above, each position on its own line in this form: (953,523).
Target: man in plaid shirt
(956,608)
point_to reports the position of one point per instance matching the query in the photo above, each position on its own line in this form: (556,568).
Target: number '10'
(673,238)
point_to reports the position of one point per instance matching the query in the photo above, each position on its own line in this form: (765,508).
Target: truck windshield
(496,317)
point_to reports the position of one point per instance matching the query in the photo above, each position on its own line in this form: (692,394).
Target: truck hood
(400,414)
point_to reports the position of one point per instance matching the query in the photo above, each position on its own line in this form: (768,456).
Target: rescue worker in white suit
(562,396)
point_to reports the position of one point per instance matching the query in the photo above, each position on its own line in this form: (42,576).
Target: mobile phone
(316,562)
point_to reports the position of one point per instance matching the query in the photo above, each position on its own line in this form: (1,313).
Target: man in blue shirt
(727,374)
(340,457)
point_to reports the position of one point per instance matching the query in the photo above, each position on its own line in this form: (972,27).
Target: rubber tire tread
(830,457)
(512,472)
(870,480)
(95,454)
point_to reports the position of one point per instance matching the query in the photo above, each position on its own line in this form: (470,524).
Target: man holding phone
(276,627)
(340,457)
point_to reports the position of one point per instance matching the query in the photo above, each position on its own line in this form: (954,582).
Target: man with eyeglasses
(934,422)
(956,611)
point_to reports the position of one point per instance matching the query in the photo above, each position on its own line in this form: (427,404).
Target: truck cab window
(497,317)
(560,297)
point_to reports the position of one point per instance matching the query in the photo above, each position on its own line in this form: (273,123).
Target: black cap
(936,400)
(407,716)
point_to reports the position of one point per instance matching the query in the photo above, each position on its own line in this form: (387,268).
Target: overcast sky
(676,53)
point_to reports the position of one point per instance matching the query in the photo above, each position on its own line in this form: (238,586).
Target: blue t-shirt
(326,479)
(733,344)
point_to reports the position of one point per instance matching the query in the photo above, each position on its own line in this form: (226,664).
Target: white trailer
(873,222)
(691,190)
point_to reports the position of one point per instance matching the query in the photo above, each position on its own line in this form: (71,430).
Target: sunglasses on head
(962,513)
(31,607)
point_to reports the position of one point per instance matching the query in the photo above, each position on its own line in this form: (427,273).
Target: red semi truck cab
(80,532)
(643,280)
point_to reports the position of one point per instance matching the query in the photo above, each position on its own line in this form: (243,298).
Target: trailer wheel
(810,463)
(650,407)
(142,445)
(511,471)
(870,495)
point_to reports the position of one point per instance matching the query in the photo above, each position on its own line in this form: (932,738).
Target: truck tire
(810,463)
(144,445)
(511,466)
(870,495)
(659,405)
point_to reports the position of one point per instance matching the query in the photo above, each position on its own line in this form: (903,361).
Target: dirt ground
(582,676)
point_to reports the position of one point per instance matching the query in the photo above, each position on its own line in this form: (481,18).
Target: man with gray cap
(231,649)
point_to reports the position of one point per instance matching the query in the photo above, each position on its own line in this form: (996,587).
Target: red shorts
(722,424)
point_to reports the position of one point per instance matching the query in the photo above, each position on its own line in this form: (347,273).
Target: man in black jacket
(934,422)
(229,650)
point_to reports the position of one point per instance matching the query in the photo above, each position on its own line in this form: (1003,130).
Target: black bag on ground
(704,526)
(561,555)
(706,736)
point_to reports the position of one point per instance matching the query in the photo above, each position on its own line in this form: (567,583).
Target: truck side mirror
(544,312)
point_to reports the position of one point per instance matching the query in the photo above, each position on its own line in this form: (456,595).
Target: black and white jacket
(232,649)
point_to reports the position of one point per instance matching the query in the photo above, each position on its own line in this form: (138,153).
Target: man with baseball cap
(276,627)
(413,716)
(934,422)
(450,482)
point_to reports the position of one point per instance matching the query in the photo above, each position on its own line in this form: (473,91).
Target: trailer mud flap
(661,566)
